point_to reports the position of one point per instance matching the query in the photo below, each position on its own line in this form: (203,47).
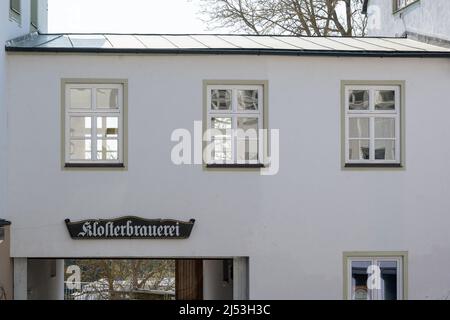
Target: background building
(425,20)
(17,18)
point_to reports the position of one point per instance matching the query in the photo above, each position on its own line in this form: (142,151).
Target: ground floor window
(375,276)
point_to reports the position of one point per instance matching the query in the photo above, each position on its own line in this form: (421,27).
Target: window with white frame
(372,125)
(400,4)
(234,119)
(375,278)
(93,124)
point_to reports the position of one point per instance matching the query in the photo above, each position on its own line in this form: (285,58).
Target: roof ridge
(214,34)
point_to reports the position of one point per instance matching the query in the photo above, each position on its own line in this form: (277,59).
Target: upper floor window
(234,119)
(15,9)
(375,277)
(372,125)
(94,125)
(34,16)
(400,4)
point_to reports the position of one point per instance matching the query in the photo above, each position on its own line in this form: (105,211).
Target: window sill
(235,166)
(94,165)
(373,165)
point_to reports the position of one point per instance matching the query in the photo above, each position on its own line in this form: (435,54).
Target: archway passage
(148,279)
(131,279)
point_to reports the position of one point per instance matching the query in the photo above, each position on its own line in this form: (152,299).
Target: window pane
(247,150)
(359,100)
(107,127)
(359,128)
(388,280)
(107,98)
(80,127)
(221,99)
(385,100)
(221,140)
(359,280)
(384,149)
(359,150)
(247,99)
(80,150)
(247,137)
(248,124)
(221,123)
(107,150)
(222,149)
(80,98)
(384,128)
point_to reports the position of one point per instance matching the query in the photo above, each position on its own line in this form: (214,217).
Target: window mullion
(67,135)
(94,138)
(234,138)
(261,138)
(374,292)
(234,108)
(94,124)
(398,133)
(372,138)
(347,140)
(378,291)
(400,284)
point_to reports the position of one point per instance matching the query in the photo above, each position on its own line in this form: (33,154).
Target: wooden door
(189,280)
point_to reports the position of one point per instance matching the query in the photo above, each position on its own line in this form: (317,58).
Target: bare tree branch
(293,17)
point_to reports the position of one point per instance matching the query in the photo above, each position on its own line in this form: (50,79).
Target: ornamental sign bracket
(129,228)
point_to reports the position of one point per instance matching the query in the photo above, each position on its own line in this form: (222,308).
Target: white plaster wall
(294,226)
(427,17)
(42,283)
(214,288)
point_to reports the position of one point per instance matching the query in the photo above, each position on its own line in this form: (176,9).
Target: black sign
(129,228)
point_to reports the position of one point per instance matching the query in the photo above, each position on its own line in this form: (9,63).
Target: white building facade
(425,20)
(349,185)
(358,169)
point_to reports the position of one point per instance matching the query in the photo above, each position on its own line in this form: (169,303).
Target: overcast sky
(126,16)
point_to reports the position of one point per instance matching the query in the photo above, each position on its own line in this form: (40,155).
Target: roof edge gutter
(258,52)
